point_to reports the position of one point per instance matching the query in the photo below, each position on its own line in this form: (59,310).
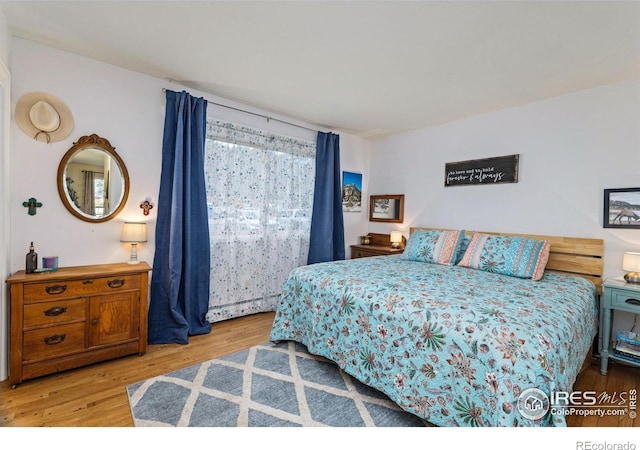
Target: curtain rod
(268,118)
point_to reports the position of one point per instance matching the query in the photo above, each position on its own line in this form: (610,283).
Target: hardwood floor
(94,396)
(619,378)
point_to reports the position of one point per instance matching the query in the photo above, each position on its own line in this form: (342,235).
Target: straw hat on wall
(44,117)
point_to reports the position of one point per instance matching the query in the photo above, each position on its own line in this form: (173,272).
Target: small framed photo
(386,208)
(621,208)
(351,191)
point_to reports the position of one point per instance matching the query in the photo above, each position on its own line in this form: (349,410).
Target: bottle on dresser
(31,263)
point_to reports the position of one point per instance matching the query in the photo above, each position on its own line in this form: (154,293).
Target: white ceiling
(363,67)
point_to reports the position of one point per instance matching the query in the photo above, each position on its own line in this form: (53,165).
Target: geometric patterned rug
(269,385)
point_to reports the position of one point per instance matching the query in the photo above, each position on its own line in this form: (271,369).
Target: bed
(457,346)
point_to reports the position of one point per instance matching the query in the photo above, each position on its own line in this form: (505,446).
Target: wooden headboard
(569,255)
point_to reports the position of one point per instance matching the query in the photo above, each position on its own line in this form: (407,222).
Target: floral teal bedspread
(453,345)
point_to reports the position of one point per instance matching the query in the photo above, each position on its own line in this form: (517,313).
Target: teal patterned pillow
(516,256)
(434,246)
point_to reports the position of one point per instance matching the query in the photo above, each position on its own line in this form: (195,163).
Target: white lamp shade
(396,237)
(134,232)
(631,262)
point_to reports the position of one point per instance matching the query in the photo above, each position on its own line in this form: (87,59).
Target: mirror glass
(93,182)
(386,208)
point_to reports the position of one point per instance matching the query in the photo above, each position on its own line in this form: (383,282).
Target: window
(259,197)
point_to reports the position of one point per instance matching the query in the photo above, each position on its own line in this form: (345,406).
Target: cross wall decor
(32,204)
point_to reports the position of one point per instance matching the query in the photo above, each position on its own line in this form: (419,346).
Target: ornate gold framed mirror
(93,181)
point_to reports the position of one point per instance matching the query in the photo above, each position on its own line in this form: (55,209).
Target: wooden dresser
(380,245)
(76,316)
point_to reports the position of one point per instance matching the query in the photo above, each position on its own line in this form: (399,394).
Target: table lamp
(134,232)
(396,239)
(631,265)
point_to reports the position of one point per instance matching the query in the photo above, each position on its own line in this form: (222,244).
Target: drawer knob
(115,283)
(56,289)
(55,339)
(55,311)
(633,301)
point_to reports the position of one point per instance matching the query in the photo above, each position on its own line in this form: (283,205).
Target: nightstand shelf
(618,295)
(380,246)
(364,251)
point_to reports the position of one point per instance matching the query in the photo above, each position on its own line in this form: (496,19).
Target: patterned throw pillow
(515,256)
(434,246)
(463,248)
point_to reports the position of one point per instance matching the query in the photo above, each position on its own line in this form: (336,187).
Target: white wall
(5,40)
(124,107)
(128,109)
(5,115)
(355,223)
(571,149)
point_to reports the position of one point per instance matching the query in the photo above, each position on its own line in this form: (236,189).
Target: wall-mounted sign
(500,169)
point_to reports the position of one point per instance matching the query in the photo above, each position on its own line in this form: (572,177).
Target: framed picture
(386,208)
(621,208)
(351,192)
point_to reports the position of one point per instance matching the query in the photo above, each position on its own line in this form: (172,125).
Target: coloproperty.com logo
(534,404)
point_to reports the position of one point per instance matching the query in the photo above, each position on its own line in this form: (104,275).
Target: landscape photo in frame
(351,191)
(621,208)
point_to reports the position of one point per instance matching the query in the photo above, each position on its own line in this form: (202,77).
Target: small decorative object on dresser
(618,295)
(76,316)
(380,244)
(31,260)
(50,263)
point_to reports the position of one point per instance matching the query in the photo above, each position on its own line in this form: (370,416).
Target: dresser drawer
(360,254)
(39,292)
(625,299)
(365,251)
(53,341)
(50,313)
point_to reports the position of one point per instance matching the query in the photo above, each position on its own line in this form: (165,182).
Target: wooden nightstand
(618,295)
(380,246)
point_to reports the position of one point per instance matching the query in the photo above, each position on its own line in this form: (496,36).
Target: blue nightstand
(617,295)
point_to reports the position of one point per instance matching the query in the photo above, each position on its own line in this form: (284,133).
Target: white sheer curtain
(260,197)
(89,199)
